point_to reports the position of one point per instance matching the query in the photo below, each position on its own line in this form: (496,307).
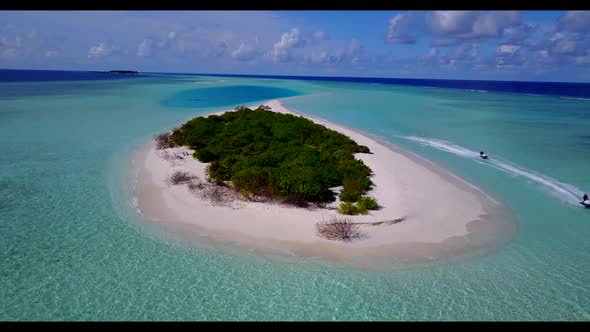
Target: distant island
(277,157)
(123,72)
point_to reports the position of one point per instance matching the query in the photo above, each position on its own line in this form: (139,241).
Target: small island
(268,156)
(126,72)
(275,181)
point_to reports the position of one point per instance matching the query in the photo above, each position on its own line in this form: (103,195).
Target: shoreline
(462,220)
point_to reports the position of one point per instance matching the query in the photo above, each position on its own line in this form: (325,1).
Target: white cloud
(244,52)
(493,24)
(320,36)
(543,53)
(466,52)
(354,49)
(337,57)
(582,60)
(185,45)
(144,48)
(508,48)
(51,54)
(565,46)
(561,47)
(510,57)
(319,56)
(354,46)
(520,33)
(169,38)
(356,53)
(204,39)
(99,51)
(452,64)
(431,54)
(221,49)
(399,27)
(467,56)
(9,54)
(557,36)
(200,42)
(289,40)
(575,20)
(323,56)
(451,22)
(456,25)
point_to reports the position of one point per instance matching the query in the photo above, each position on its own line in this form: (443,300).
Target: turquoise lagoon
(74,248)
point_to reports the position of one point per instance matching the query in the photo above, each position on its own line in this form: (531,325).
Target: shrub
(349,185)
(320,205)
(364,149)
(349,196)
(179,178)
(295,201)
(195,186)
(205,155)
(368,203)
(215,195)
(169,156)
(361,209)
(361,149)
(252,180)
(338,229)
(348,208)
(217,171)
(300,158)
(304,182)
(163,141)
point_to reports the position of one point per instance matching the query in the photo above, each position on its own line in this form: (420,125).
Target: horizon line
(300,76)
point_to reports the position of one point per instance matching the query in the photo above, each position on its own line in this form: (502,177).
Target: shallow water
(75,248)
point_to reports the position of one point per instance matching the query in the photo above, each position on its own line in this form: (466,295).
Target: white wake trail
(563,191)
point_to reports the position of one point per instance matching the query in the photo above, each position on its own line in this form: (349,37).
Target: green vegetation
(362,206)
(361,209)
(353,189)
(368,203)
(351,208)
(278,156)
(349,196)
(348,208)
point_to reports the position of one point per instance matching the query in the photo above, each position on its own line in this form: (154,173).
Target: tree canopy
(281,156)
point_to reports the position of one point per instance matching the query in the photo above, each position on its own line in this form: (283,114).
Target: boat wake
(563,191)
(575,98)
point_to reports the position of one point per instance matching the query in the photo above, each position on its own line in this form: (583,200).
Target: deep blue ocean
(560,89)
(24,75)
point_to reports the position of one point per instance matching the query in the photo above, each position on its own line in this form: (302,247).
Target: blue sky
(501,45)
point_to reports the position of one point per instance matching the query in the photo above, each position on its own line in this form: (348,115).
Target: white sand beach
(444,215)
